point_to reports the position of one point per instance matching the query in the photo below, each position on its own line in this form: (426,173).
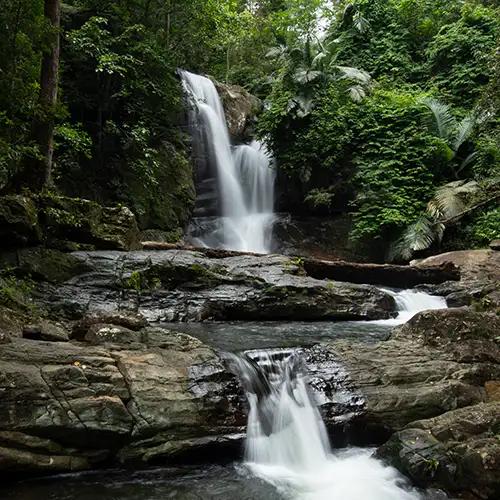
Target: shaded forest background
(383,109)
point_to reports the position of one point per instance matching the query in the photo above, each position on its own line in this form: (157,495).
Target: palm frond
(305,76)
(276,52)
(318,58)
(444,121)
(360,23)
(450,199)
(356,93)
(417,236)
(464,131)
(354,74)
(470,158)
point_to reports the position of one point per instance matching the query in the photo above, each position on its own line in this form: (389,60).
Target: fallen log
(397,276)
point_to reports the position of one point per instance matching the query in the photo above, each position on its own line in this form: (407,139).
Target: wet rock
(317,237)
(127,320)
(479,278)
(43,264)
(240,108)
(45,330)
(86,222)
(184,285)
(110,334)
(71,406)
(495,245)
(458,450)
(19,224)
(437,362)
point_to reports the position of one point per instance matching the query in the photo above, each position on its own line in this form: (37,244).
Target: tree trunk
(43,126)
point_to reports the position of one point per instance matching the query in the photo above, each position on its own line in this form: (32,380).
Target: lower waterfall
(287,444)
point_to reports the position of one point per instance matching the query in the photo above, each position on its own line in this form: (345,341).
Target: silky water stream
(287,450)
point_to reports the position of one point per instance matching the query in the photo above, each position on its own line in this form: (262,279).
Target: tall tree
(39,172)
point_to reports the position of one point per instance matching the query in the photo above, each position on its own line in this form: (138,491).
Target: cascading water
(411,302)
(245,176)
(287,444)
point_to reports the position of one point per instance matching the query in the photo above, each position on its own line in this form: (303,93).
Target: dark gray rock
(437,362)
(18,222)
(71,406)
(45,330)
(458,450)
(184,285)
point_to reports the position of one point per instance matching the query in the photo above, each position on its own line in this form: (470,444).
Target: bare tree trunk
(43,127)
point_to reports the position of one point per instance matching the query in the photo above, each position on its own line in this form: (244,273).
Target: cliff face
(240,108)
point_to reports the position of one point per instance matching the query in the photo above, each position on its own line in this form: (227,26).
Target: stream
(287,453)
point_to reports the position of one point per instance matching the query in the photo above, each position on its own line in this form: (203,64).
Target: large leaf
(443,119)
(305,76)
(417,236)
(354,74)
(357,93)
(464,131)
(450,199)
(360,23)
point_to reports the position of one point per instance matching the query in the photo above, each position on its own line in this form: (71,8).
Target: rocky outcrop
(182,285)
(132,395)
(439,361)
(316,237)
(69,222)
(458,450)
(18,221)
(240,108)
(139,396)
(65,223)
(479,278)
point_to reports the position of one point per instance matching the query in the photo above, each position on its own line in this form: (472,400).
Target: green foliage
(487,227)
(398,162)
(16,292)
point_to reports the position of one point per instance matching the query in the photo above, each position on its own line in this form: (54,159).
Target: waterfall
(245,177)
(287,443)
(411,302)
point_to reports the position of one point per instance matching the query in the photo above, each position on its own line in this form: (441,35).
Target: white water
(287,444)
(411,302)
(245,176)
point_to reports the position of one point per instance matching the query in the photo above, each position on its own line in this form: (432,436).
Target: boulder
(458,450)
(183,285)
(479,278)
(495,245)
(42,263)
(19,224)
(45,330)
(128,320)
(71,406)
(88,223)
(240,108)
(437,362)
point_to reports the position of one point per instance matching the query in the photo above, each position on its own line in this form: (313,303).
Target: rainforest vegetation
(386,110)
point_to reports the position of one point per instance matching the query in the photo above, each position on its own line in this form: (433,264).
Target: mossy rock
(19,224)
(86,222)
(43,264)
(167,200)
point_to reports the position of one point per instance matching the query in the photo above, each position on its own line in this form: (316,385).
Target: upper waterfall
(245,177)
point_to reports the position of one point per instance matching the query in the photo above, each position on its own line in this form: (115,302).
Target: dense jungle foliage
(383,109)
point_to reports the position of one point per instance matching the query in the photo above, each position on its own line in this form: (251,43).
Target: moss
(167,200)
(19,223)
(87,222)
(16,293)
